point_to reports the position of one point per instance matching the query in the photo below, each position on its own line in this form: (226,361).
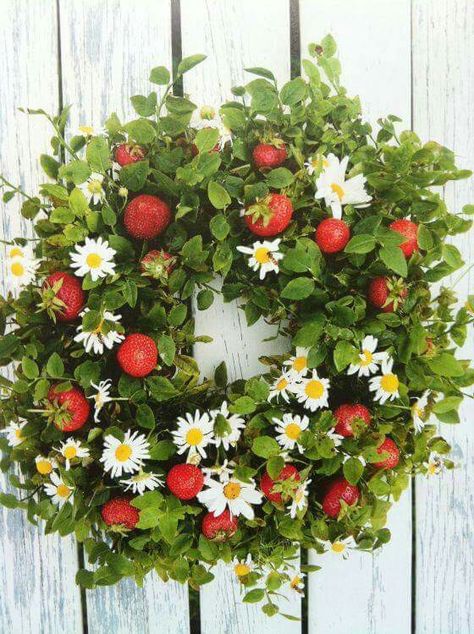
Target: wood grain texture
(374,42)
(36,572)
(235,34)
(107,55)
(443,51)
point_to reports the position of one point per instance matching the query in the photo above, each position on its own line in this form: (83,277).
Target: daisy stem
(16,189)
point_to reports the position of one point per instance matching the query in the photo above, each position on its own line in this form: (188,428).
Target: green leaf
(55,366)
(254,596)
(308,335)
(141,131)
(161,388)
(144,106)
(274,465)
(279,178)
(219,227)
(361,243)
(243,405)
(206,139)
(353,470)
(218,195)
(145,417)
(167,349)
(78,202)
(133,176)
(299,288)
(98,154)
(261,72)
(190,62)
(50,166)
(75,171)
(265,447)
(30,368)
(447,404)
(205,299)
(394,259)
(344,353)
(293,91)
(163,450)
(160,75)
(446,365)
(8,344)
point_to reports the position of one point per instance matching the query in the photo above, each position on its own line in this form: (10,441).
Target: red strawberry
(332,235)
(63,296)
(185,481)
(146,217)
(382,290)
(154,265)
(270,216)
(266,156)
(119,513)
(346,414)
(219,528)
(388,446)
(70,409)
(408,229)
(126,154)
(338,490)
(266,482)
(137,355)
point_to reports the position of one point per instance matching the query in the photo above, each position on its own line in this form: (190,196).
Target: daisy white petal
(369,359)
(14,433)
(194,433)
(59,492)
(92,188)
(289,430)
(264,256)
(297,365)
(101,397)
(237,496)
(234,425)
(45,465)
(125,456)
(94,257)
(299,499)
(102,336)
(141,482)
(313,392)
(418,413)
(386,385)
(73,449)
(282,387)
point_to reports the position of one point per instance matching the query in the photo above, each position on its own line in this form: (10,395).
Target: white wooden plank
(36,572)
(235,35)
(373,38)
(108,50)
(443,50)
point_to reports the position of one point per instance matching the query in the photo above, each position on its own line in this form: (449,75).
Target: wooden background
(413,58)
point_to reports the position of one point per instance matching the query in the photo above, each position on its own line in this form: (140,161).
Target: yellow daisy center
(44,467)
(338,547)
(294,583)
(93,260)
(241,570)
(337,189)
(18,434)
(123,453)
(194,436)
(98,330)
(262,255)
(366,358)
(416,410)
(293,431)
(17,269)
(86,129)
(432,468)
(16,252)
(282,384)
(70,452)
(314,389)
(232,490)
(389,383)
(95,187)
(299,363)
(63,491)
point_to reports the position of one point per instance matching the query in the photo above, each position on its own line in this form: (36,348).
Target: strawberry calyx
(50,301)
(396,292)
(260,210)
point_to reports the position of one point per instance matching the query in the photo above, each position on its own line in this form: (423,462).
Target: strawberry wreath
(287,201)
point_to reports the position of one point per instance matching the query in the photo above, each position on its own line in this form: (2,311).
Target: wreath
(325,229)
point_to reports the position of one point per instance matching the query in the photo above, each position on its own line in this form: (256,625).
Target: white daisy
(223,472)
(14,434)
(313,392)
(264,256)
(59,491)
(418,414)
(243,567)
(336,438)
(73,449)
(299,499)
(209,117)
(142,481)
(15,251)
(94,257)
(92,188)
(194,433)
(385,386)
(236,495)
(369,359)
(22,270)
(103,335)
(298,364)
(281,387)
(125,456)
(235,426)
(316,163)
(434,465)
(340,547)
(331,185)
(45,465)
(101,397)
(290,429)
(85,130)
